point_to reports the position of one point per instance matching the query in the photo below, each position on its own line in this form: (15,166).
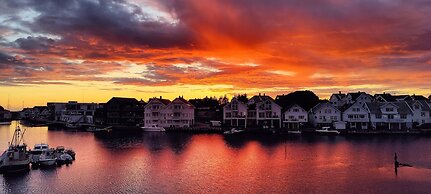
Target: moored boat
(154,128)
(5,123)
(37,151)
(327,130)
(16,157)
(47,158)
(233,131)
(294,132)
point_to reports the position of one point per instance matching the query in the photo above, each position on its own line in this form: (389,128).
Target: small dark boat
(15,158)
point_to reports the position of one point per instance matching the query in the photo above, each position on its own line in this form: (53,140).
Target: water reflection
(139,162)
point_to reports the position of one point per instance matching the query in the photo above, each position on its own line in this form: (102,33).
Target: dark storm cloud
(114,21)
(34,43)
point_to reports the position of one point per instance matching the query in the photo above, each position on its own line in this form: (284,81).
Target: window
(422,114)
(389,109)
(378,116)
(291,117)
(390,116)
(355,109)
(416,106)
(334,118)
(328,110)
(295,110)
(403,116)
(301,117)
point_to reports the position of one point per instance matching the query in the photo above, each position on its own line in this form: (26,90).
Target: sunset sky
(89,50)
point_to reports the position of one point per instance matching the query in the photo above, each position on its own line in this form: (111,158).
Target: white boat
(327,130)
(153,127)
(15,158)
(47,158)
(232,131)
(294,132)
(37,151)
(5,123)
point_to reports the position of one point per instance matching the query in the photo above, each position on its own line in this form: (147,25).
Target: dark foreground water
(212,163)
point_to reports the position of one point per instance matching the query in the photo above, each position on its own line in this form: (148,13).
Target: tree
(306,99)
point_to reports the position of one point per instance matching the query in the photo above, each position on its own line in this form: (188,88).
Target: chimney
(160,97)
(339,92)
(263,94)
(259,94)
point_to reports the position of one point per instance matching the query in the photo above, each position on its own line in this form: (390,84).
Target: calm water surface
(212,163)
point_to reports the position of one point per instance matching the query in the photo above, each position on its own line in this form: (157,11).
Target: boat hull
(153,129)
(50,162)
(14,168)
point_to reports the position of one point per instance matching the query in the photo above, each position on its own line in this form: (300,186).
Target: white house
(360,97)
(390,115)
(338,99)
(154,111)
(263,112)
(178,113)
(235,113)
(421,111)
(294,117)
(324,114)
(356,116)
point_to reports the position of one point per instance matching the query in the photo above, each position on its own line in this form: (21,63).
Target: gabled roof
(386,96)
(375,107)
(424,104)
(183,101)
(419,97)
(259,98)
(357,94)
(163,101)
(291,106)
(321,105)
(339,96)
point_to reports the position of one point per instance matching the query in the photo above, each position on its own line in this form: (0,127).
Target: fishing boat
(16,157)
(232,131)
(327,130)
(153,127)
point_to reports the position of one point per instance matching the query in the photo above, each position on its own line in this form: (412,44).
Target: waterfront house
(155,110)
(263,112)
(294,117)
(358,97)
(177,114)
(81,113)
(421,112)
(338,99)
(5,115)
(356,116)
(324,114)
(122,112)
(390,115)
(235,113)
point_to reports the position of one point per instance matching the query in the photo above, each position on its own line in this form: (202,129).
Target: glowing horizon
(89,50)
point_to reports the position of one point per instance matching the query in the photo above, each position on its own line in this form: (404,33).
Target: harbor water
(153,162)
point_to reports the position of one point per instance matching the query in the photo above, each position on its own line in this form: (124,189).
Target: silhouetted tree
(242,98)
(306,99)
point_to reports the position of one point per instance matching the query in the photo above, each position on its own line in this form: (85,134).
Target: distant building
(78,112)
(294,117)
(5,115)
(324,114)
(263,112)
(124,112)
(390,115)
(56,109)
(235,113)
(358,97)
(37,113)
